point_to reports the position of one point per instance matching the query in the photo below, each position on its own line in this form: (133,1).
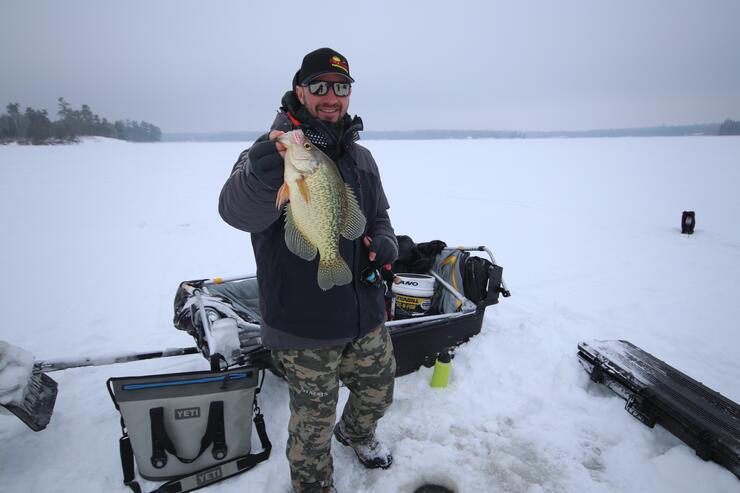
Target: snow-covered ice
(97,236)
(16,365)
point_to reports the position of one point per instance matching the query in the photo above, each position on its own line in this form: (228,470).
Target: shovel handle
(60,364)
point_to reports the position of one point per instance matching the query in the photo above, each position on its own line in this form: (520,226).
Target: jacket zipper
(347,175)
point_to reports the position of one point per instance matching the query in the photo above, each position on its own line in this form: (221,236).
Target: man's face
(329,107)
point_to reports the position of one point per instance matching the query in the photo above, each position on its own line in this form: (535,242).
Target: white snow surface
(97,237)
(16,365)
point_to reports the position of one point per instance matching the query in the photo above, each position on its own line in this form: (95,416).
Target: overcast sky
(498,65)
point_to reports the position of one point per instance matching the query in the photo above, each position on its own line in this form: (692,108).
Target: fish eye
(307,146)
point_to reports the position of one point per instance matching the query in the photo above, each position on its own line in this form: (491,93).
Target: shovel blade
(38,404)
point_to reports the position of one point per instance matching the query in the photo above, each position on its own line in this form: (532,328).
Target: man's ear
(299,93)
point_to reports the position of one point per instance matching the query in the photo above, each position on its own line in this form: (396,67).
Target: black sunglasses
(321,88)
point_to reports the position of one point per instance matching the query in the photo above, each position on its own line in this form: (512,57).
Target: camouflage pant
(367,367)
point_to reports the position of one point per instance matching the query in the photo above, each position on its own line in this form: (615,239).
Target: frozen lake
(96,238)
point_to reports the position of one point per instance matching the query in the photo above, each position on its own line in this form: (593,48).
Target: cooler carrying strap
(214,434)
(127,462)
(203,477)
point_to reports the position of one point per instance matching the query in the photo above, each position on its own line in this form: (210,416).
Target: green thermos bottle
(442,368)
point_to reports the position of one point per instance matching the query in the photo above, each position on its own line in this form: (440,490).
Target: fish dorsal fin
(295,240)
(354,222)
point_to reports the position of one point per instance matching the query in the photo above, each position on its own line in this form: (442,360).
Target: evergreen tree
(59,130)
(730,127)
(88,120)
(137,131)
(63,109)
(106,129)
(120,130)
(64,128)
(39,127)
(18,129)
(7,128)
(36,126)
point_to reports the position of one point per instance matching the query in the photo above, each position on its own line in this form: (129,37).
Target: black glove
(266,163)
(385,248)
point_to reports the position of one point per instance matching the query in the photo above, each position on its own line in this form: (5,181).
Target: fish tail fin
(333,272)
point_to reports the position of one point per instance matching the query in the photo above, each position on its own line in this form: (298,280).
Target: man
(320,337)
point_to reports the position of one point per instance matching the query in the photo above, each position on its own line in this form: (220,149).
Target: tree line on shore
(730,127)
(34,126)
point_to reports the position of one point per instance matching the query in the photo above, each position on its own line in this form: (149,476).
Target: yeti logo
(210,476)
(187,412)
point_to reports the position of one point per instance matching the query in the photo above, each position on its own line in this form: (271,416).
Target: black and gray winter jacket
(296,313)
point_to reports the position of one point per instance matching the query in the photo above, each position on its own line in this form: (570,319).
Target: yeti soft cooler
(193,428)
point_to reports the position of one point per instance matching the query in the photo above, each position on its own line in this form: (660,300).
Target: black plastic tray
(657,393)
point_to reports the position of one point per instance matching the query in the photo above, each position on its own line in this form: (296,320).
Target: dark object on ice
(37,406)
(658,393)
(432,488)
(688,222)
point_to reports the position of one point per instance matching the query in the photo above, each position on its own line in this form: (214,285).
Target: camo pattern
(367,367)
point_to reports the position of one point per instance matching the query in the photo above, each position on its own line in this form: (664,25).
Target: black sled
(222,314)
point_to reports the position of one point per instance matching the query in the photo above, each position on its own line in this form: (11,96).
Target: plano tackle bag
(190,429)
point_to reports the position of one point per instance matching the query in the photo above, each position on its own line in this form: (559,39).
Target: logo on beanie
(337,62)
